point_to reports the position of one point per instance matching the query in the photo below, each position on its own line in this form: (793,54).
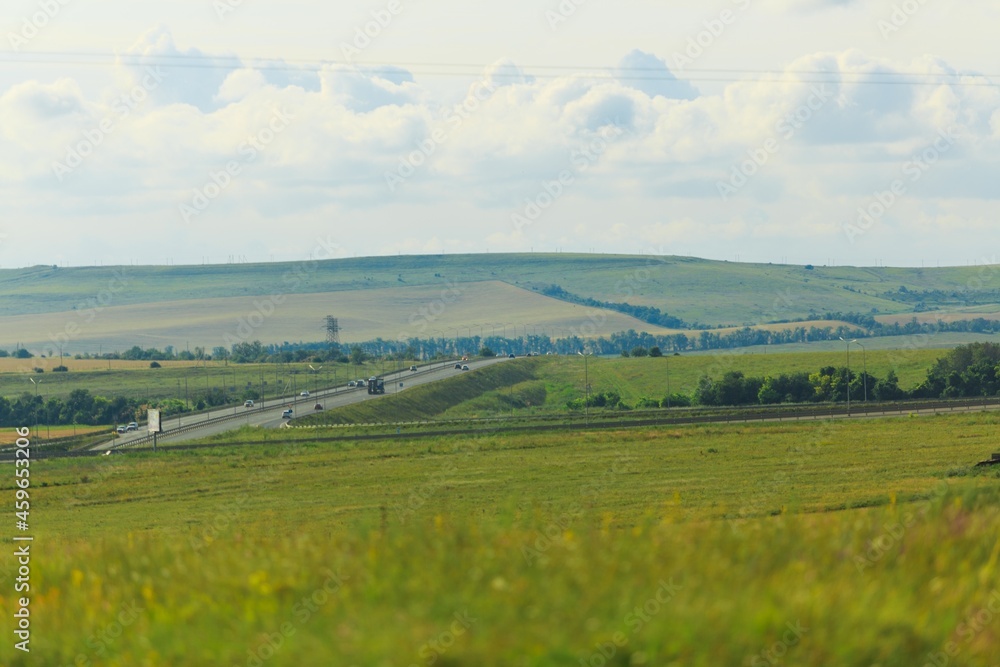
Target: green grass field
(545,384)
(861,543)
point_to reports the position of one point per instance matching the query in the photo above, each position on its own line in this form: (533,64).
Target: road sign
(153,419)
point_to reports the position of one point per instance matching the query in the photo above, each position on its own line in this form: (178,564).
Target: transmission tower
(332,330)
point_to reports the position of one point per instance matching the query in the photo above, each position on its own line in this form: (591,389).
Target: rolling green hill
(392,296)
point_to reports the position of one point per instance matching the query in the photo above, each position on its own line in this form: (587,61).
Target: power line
(718,75)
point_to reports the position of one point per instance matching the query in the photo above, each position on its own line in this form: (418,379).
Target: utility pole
(848,348)
(586,385)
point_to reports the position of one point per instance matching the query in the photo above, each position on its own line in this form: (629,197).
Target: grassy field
(383,296)
(482,308)
(546,383)
(688,546)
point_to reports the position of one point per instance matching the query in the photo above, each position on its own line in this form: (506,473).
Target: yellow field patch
(456,310)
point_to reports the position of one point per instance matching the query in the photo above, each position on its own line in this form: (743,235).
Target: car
(247,403)
(287,414)
(352,383)
(510,356)
(132,426)
(362,383)
(465,368)
(317,407)
(304,393)
(465,358)
(413,369)
(458,367)
(120,429)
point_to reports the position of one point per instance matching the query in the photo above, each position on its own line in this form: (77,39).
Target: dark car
(458,367)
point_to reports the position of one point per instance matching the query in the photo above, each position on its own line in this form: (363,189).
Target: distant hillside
(444,295)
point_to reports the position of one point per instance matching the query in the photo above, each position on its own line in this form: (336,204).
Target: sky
(211,131)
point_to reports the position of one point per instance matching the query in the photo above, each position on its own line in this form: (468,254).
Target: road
(267,414)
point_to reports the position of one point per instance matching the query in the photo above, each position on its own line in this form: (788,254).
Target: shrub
(154,364)
(60,369)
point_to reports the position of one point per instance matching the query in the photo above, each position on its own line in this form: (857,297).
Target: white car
(247,403)
(305,393)
(287,414)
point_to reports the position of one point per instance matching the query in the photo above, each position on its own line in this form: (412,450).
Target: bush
(38,370)
(646,402)
(60,369)
(154,364)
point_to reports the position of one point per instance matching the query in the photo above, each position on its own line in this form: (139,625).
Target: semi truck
(376,385)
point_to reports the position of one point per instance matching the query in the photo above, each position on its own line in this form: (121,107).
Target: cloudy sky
(801,131)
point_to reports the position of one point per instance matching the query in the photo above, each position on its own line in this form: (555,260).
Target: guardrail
(321,394)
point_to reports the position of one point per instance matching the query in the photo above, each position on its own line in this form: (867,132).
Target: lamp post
(586,385)
(847,346)
(864,364)
(35,410)
(668,385)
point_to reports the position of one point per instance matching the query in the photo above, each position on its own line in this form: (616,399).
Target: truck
(376,385)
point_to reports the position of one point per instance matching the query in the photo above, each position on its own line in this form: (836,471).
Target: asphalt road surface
(267,414)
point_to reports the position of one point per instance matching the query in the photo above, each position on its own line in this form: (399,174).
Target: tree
(484,352)
(655,351)
(358,356)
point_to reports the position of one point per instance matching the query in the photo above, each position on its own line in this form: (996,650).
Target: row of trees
(82,407)
(967,371)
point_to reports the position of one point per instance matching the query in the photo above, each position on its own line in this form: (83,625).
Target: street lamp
(848,348)
(35,410)
(864,363)
(586,384)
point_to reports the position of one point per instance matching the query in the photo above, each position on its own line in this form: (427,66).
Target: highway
(267,414)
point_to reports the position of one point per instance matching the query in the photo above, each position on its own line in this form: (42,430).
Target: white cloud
(839,137)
